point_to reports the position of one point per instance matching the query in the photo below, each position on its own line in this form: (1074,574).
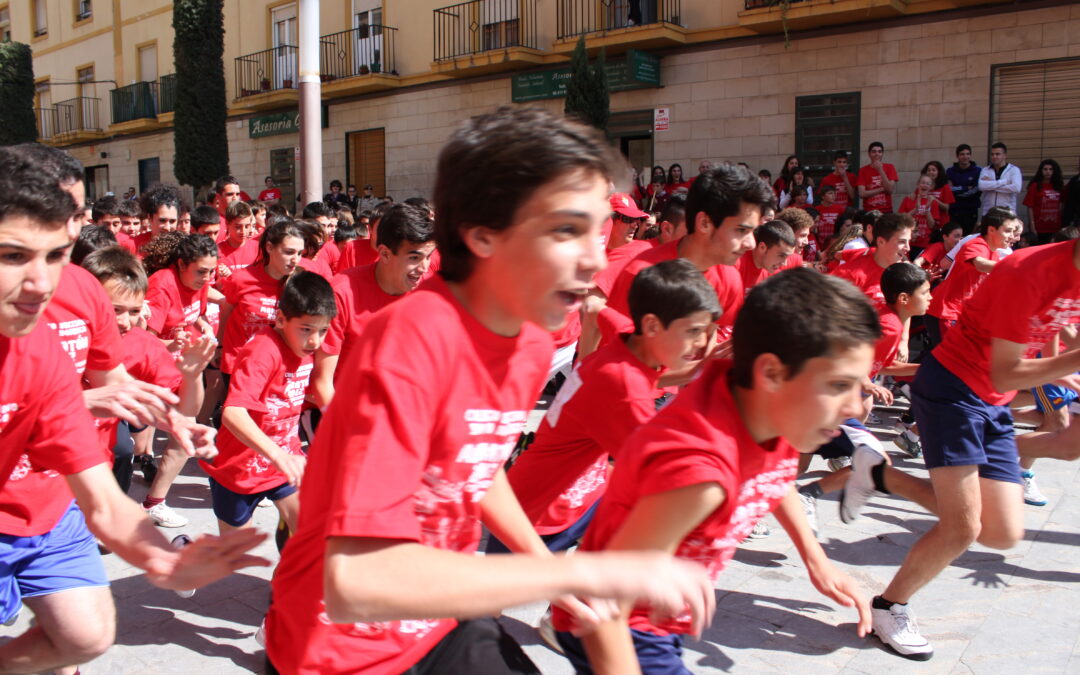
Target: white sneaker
(809,504)
(547,632)
(837,463)
(909,443)
(897,628)
(760,531)
(180,541)
(260,635)
(860,484)
(164,516)
(1032,494)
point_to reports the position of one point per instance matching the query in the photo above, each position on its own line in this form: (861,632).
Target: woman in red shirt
(782,182)
(181,269)
(924,210)
(1044,200)
(941,192)
(676,181)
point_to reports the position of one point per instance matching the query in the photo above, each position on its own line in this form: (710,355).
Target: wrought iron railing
(167,94)
(77,114)
(360,51)
(579,17)
(134,101)
(47,122)
(266,71)
(483,25)
(758,4)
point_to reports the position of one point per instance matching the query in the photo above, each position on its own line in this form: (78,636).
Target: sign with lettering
(280,123)
(640,70)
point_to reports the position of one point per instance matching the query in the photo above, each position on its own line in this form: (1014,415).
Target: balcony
(47,122)
(268,79)
(486,36)
(618,25)
(358,61)
(771,16)
(77,121)
(166,97)
(134,107)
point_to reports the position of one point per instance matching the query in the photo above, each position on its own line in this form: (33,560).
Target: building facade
(724,80)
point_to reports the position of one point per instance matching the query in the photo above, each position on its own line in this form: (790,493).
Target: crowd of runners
(369,368)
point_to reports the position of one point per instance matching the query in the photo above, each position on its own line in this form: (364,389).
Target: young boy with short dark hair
(892,241)
(238,246)
(206,220)
(773,243)
(801,222)
(829,210)
(695,479)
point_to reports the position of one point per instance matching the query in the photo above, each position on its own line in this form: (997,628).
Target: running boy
(695,479)
(892,241)
(773,243)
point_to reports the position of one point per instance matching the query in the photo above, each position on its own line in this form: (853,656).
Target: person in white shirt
(1000,181)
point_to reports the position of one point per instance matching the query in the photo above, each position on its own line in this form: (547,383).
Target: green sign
(640,70)
(280,123)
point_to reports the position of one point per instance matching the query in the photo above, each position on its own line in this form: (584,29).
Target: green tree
(587,96)
(17,122)
(202,146)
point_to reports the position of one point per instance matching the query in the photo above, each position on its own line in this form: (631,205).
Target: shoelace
(907,624)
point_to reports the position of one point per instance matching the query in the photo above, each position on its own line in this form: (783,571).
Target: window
(85,76)
(97,181)
(5,24)
(369,23)
(1033,111)
(149,173)
(83,10)
(501,22)
(824,124)
(41,24)
(366,159)
(148,63)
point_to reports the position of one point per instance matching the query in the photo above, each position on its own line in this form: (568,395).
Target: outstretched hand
(206,560)
(842,589)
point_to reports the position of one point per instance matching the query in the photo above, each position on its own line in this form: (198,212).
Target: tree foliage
(202,146)
(17,121)
(587,96)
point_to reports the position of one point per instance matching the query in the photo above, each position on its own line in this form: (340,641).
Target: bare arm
(1010,371)
(983,265)
(322,378)
(238,421)
(887,185)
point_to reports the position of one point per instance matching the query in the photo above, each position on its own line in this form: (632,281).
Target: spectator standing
(335,196)
(877,180)
(1001,181)
(368,201)
(271,195)
(964,181)
(843,180)
(1045,200)
(940,190)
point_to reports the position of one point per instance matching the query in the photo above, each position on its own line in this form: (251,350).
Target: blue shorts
(657,654)
(957,428)
(235,509)
(852,431)
(64,558)
(557,542)
(1053,397)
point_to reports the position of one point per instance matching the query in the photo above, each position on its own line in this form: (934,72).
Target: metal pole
(310,104)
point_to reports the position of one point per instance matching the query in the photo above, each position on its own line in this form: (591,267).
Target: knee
(961,532)
(1002,538)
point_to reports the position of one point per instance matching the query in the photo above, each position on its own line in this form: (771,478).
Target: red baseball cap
(624,206)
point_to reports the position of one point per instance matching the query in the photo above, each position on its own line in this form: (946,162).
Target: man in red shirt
(226,191)
(774,242)
(877,181)
(239,247)
(271,195)
(892,241)
(842,180)
(161,206)
(408,459)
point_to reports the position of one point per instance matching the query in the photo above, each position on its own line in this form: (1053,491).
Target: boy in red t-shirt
(238,248)
(877,181)
(259,454)
(695,479)
(842,181)
(408,459)
(773,243)
(829,210)
(892,241)
(922,207)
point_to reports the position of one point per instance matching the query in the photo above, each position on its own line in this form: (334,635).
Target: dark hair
(1067,233)
(277,210)
(91,238)
(764,172)
(1056,180)
(721,193)
(54,163)
(277,229)
(867,218)
(963,146)
(336,182)
(404,223)
(495,162)
(117,264)
(27,190)
(346,232)
(106,206)
(891,223)
(826,187)
(671,290)
(774,233)
(671,170)
(158,196)
(255,205)
(219,185)
(840,154)
(663,173)
(996,217)
(128,209)
(307,294)
(797,190)
(237,210)
(938,235)
(785,173)
(316,210)
(941,179)
(1001,145)
(675,210)
(168,248)
(850,213)
(812,212)
(901,277)
(204,215)
(798,315)
(420,202)
(876,144)
(314,237)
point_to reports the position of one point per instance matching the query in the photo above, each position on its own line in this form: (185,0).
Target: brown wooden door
(367,159)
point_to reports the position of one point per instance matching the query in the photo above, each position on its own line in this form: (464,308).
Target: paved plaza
(990,612)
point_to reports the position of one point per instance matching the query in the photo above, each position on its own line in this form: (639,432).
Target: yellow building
(735,80)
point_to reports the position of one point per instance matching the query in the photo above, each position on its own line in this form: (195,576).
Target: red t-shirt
(1045,204)
(355,253)
(699,438)
(147,359)
(1029,297)
(358,296)
(269,194)
(934,253)
(751,274)
(318,266)
(124,241)
(332,255)
(44,427)
(569,333)
(843,199)
(406,451)
(963,280)
(270,382)
(870,178)
(254,297)
(238,258)
(173,306)
(140,240)
(826,227)
(889,343)
(919,210)
(944,195)
(562,474)
(864,272)
(617,260)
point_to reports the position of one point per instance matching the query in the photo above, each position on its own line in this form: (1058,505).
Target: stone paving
(1016,611)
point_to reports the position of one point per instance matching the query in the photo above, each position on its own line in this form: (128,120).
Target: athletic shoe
(1032,494)
(164,516)
(837,463)
(860,484)
(264,503)
(14,619)
(897,628)
(180,541)
(760,531)
(874,420)
(547,632)
(260,635)
(809,504)
(909,443)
